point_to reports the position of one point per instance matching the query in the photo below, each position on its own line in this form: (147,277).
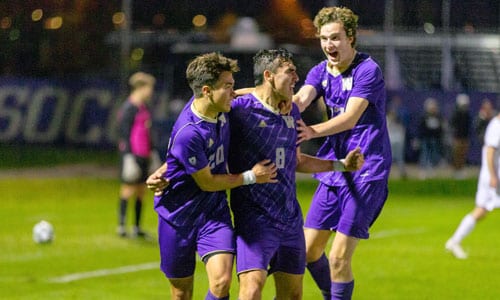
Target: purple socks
(210,296)
(342,290)
(320,272)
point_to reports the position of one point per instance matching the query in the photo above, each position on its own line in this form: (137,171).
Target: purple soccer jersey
(258,133)
(363,79)
(195,142)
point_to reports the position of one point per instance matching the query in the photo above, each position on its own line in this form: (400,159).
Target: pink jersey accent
(140,136)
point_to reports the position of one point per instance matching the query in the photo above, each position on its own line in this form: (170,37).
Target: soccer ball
(43,232)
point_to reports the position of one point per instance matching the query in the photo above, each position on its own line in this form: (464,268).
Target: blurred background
(64,67)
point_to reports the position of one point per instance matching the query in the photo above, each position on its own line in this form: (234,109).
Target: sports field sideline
(405,259)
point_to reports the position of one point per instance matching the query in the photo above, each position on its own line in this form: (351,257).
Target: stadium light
(137,54)
(5,23)
(199,20)
(53,23)
(37,15)
(118,18)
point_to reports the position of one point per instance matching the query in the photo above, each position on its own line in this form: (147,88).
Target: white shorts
(487,197)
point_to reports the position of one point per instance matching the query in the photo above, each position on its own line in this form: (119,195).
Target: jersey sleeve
(315,78)
(368,83)
(126,122)
(295,113)
(188,148)
(492,135)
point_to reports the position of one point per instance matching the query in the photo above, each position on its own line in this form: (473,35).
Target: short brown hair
(206,69)
(141,79)
(269,60)
(342,15)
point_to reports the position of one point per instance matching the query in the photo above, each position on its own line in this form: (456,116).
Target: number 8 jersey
(258,133)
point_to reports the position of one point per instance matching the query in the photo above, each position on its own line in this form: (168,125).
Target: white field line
(105,272)
(153,265)
(397,232)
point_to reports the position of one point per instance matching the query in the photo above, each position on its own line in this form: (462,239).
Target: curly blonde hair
(342,15)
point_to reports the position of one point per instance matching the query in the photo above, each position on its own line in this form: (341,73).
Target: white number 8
(280,157)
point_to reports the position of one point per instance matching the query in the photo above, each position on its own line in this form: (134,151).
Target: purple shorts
(178,245)
(270,249)
(350,210)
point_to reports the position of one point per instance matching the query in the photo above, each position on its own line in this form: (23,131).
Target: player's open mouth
(334,55)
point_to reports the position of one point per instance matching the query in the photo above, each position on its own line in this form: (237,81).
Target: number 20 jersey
(258,133)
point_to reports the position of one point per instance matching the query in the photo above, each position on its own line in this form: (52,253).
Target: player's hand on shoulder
(265,172)
(157,183)
(354,160)
(304,132)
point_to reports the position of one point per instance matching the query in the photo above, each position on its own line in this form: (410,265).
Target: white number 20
(280,157)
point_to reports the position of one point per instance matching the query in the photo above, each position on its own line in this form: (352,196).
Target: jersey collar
(204,118)
(267,106)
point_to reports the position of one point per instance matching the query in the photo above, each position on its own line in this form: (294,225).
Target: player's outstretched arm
(490,161)
(263,172)
(305,96)
(156,182)
(311,164)
(244,91)
(346,121)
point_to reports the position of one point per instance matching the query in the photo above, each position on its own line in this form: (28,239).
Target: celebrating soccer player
(136,148)
(268,219)
(488,189)
(193,211)
(353,90)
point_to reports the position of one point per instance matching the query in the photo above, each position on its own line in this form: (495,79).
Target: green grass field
(404,259)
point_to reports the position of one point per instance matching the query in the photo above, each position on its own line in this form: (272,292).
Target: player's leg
(288,286)
(178,257)
(340,265)
(255,247)
(140,191)
(126,192)
(362,204)
(251,284)
(181,288)
(219,270)
(317,262)
(216,246)
(323,215)
(485,201)
(288,265)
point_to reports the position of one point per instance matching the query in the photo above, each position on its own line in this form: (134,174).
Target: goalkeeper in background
(136,149)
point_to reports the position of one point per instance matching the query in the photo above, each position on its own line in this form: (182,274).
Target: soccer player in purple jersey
(352,86)
(193,211)
(268,219)
(136,148)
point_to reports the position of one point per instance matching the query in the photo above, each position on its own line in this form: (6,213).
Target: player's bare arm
(490,159)
(156,182)
(346,121)
(244,91)
(263,172)
(305,97)
(311,164)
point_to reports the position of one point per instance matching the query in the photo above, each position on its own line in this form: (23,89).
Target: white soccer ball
(43,232)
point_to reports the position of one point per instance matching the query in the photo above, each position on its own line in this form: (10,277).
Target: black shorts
(140,170)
